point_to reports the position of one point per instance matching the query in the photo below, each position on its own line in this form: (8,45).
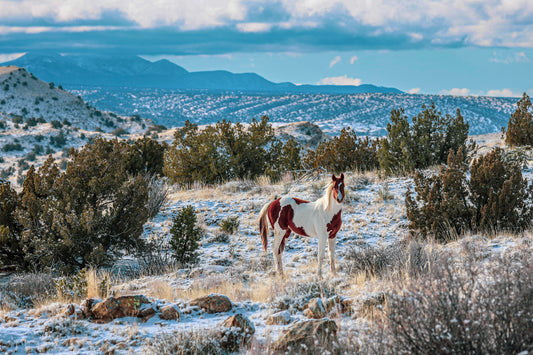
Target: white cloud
(340,80)
(254,27)
(505,23)
(519,57)
(353,59)
(182,13)
(334,61)
(503,93)
(414,90)
(456,92)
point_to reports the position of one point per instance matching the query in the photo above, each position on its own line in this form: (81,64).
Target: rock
(283,317)
(124,306)
(70,310)
(87,306)
(147,311)
(170,312)
(308,337)
(213,303)
(315,309)
(238,333)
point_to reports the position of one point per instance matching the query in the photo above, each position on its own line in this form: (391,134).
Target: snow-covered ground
(236,266)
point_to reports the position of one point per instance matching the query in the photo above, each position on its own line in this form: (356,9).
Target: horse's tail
(263,225)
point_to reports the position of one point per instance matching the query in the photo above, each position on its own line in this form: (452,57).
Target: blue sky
(461,47)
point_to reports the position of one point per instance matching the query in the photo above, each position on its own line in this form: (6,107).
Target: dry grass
(263,290)
(161,290)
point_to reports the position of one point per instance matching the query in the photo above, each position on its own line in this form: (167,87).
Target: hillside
(23,94)
(133,71)
(367,114)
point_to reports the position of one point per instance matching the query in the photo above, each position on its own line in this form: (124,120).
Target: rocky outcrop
(124,306)
(311,336)
(170,312)
(213,303)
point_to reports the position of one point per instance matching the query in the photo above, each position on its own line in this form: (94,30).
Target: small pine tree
(441,206)
(495,198)
(344,152)
(185,236)
(520,127)
(427,141)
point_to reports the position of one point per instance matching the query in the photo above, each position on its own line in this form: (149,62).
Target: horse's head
(338,188)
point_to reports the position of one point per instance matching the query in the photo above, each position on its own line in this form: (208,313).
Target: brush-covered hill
(23,94)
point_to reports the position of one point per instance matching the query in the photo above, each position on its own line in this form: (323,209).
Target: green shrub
(58,140)
(520,127)
(226,151)
(495,198)
(424,143)
(90,214)
(344,152)
(56,124)
(72,288)
(185,236)
(119,132)
(10,147)
(229,225)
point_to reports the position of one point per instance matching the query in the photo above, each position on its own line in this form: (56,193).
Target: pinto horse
(321,219)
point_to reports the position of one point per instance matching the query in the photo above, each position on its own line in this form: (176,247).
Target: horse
(321,219)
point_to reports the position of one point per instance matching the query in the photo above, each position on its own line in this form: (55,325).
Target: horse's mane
(327,193)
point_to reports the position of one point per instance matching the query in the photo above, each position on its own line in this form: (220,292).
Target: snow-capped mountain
(134,71)
(367,114)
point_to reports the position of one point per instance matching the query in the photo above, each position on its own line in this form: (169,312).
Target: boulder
(237,331)
(170,312)
(283,317)
(124,306)
(315,309)
(87,307)
(213,303)
(309,337)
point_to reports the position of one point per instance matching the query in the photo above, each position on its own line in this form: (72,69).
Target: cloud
(334,61)
(456,92)
(254,27)
(340,80)
(281,25)
(414,90)
(518,57)
(503,93)
(353,59)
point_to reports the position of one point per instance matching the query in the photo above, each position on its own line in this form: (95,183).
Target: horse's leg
(278,246)
(321,252)
(332,257)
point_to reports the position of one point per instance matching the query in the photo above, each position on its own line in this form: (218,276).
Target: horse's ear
(342,176)
(333,177)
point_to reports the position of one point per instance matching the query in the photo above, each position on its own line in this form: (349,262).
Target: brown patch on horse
(299,201)
(286,221)
(334,225)
(273,212)
(284,241)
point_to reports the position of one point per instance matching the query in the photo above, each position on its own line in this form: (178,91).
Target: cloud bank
(215,27)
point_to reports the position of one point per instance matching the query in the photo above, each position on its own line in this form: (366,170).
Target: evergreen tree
(185,236)
(520,127)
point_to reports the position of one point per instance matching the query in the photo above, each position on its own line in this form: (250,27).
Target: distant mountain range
(132,71)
